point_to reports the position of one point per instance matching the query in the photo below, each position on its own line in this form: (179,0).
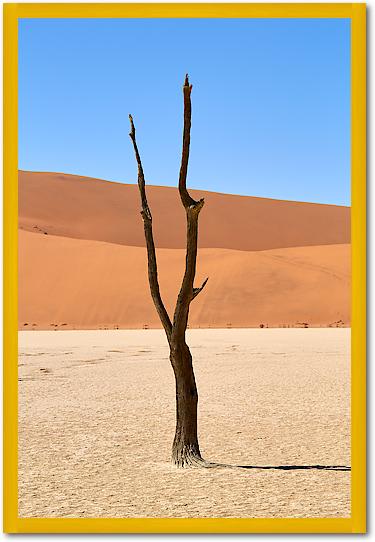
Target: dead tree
(185,450)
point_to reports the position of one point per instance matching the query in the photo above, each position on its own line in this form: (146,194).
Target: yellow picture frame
(357,522)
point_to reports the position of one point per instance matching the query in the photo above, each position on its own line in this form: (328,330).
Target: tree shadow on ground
(296,467)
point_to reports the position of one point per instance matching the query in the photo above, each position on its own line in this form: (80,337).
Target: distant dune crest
(82,262)
(84,208)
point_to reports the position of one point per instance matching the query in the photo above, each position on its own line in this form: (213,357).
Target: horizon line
(176,188)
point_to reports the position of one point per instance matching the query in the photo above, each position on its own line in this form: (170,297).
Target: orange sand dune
(85,208)
(90,284)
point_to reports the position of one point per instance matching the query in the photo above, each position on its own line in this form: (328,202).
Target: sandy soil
(74,283)
(96,422)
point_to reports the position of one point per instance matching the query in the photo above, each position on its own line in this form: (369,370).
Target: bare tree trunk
(185,450)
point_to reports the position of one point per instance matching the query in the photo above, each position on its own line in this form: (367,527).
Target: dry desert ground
(96,423)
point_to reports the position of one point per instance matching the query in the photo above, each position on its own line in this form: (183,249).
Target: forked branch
(151,255)
(193,208)
(187,292)
(197,291)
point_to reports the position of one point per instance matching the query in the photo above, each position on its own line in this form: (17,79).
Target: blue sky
(271,102)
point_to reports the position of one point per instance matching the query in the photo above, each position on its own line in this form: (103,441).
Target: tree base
(187,456)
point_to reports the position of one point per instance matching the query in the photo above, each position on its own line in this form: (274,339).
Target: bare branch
(193,208)
(186,199)
(151,255)
(141,177)
(197,291)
